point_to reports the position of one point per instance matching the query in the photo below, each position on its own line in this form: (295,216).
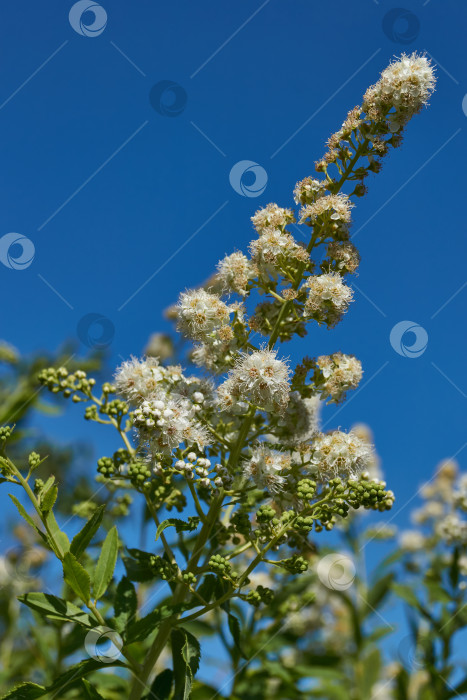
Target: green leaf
(82,539)
(125,604)
(180,525)
(74,675)
(24,514)
(234,627)
(25,691)
(207,587)
(371,673)
(162,685)
(186,654)
(90,693)
(140,629)
(49,499)
(376,593)
(60,538)
(406,593)
(77,577)
(106,563)
(55,608)
(139,567)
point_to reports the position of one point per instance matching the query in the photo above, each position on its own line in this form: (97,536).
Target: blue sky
(126,206)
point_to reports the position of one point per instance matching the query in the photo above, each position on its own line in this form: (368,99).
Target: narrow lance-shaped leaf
(23,513)
(125,604)
(53,607)
(106,564)
(186,654)
(60,538)
(77,577)
(82,539)
(90,693)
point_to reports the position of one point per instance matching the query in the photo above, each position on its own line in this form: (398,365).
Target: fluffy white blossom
(333,207)
(344,255)
(201,314)
(405,84)
(412,541)
(341,373)
(328,298)
(272,216)
(266,468)
(452,529)
(234,273)
(308,190)
(137,379)
(260,378)
(274,249)
(340,454)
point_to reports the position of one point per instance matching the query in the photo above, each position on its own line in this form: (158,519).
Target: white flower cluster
(452,529)
(164,423)
(272,216)
(137,379)
(274,249)
(333,207)
(345,256)
(308,190)
(266,468)
(167,403)
(260,378)
(412,541)
(201,314)
(445,504)
(405,84)
(328,298)
(234,273)
(340,454)
(341,373)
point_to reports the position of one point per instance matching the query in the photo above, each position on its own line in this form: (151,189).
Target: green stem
(199,510)
(141,679)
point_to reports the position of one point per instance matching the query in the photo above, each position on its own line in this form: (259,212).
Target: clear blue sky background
(115,196)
